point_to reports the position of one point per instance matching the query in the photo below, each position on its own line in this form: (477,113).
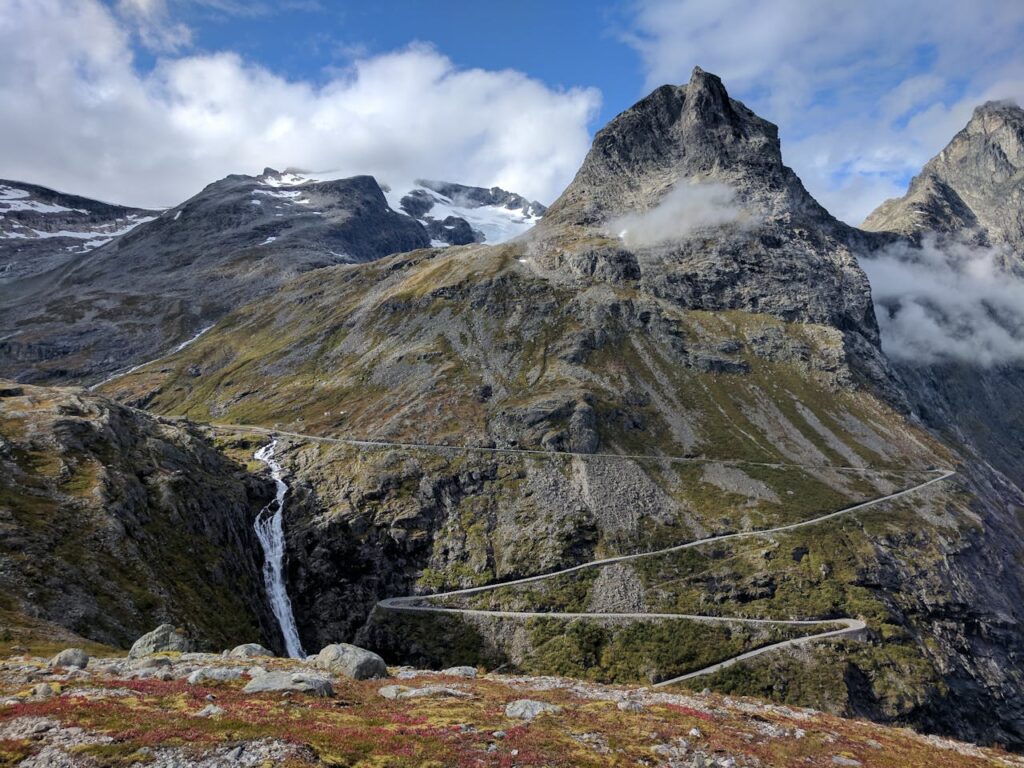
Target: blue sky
(146,101)
(566,43)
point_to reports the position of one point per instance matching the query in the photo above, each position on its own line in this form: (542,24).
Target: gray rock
(70,657)
(210,710)
(528,709)
(219,674)
(465,671)
(162,639)
(248,651)
(282,682)
(351,661)
(846,761)
(428,691)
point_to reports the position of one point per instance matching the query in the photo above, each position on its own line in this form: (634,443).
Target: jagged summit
(681,132)
(973,187)
(688,190)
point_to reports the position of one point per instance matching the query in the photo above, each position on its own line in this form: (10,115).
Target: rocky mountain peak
(974,187)
(694,132)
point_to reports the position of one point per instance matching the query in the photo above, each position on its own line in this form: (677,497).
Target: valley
(656,438)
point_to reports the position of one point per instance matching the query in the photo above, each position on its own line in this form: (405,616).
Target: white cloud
(864,93)
(79,116)
(947,300)
(153,24)
(689,207)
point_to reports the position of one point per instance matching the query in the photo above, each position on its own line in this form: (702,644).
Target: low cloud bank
(948,301)
(689,207)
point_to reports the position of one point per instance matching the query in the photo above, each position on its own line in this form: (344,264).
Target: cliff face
(114,522)
(965,211)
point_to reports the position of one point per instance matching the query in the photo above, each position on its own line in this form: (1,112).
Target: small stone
(393,692)
(152,662)
(847,761)
(492,747)
(467,672)
(221,674)
(70,658)
(42,691)
(695,733)
(210,710)
(498,734)
(631,706)
(528,709)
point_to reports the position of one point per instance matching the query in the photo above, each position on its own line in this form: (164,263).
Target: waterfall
(269,528)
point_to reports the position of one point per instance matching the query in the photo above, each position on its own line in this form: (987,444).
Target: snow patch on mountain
(490,223)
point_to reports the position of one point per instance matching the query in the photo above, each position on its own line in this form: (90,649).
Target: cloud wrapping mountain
(947,300)
(685,209)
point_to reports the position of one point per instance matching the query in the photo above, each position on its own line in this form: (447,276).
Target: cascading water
(270,531)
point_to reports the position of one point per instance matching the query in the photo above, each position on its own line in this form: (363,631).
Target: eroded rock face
(145,522)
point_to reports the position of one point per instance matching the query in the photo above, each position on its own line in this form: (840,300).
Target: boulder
(351,661)
(248,651)
(271,682)
(164,638)
(630,706)
(528,709)
(70,658)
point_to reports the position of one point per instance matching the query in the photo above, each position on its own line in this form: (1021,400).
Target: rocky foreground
(162,705)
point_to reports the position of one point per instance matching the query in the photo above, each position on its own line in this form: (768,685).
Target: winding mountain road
(847,626)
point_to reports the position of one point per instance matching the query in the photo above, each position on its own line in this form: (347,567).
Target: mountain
(964,215)
(81,315)
(973,187)
(155,287)
(684,346)
(41,229)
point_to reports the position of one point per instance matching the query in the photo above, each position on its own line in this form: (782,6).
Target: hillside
(689,308)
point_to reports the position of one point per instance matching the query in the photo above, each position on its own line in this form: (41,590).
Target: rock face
(971,194)
(162,639)
(114,521)
(42,229)
(721,222)
(974,187)
(352,662)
